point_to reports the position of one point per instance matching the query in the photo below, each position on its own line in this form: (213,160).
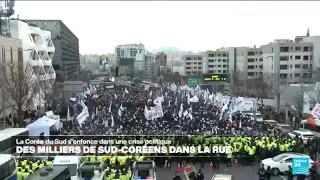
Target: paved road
(239,173)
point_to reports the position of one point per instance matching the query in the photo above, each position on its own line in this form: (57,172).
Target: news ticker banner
(106,145)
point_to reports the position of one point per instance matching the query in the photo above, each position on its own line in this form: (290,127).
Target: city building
(216,62)
(126,66)
(128,50)
(90,62)
(177,67)
(161,63)
(290,60)
(145,62)
(38,51)
(192,64)
(249,62)
(66,60)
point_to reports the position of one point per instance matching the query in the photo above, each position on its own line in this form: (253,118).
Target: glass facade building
(66,60)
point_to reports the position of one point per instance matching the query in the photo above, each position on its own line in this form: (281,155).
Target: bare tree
(19,82)
(278,86)
(261,88)
(236,82)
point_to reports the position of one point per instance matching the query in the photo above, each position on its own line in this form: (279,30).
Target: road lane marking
(283,177)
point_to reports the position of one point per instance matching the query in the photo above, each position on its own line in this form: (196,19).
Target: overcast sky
(194,26)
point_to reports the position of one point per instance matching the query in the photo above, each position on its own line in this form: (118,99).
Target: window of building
(250,73)
(305,75)
(305,58)
(311,57)
(251,67)
(211,60)
(199,63)
(211,55)
(224,71)
(250,60)
(297,57)
(224,60)
(219,60)
(296,74)
(211,71)
(284,58)
(298,48)
(219,65)
(250,53)
(211,66)
(305,49)
(199,58)
(283,66)
(311,49)
(261,59)
(188,58)
(188,63)
(224,55)
(284,49)
(305,66)
(261,66)
(297,66)
(283,75)
(188,67)
(224,66)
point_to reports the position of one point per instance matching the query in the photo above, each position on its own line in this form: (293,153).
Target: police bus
(7,139)
(8,167)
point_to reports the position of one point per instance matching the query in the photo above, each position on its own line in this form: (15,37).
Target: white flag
(126,91)
(68,115)
(112,121)
(110,107)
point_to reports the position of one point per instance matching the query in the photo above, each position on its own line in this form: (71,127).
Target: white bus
(8,167)
(7,138)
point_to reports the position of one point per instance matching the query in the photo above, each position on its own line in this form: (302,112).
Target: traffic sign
(300,166)
(215,77)
(193,81)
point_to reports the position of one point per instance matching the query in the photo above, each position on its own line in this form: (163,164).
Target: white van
(72,162)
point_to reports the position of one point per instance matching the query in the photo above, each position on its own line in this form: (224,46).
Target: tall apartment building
(290,60)
(128,50)
(249,62)
(216,62)
(66,60)
(192,64)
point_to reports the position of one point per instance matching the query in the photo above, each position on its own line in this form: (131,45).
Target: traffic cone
(211,166)
(236,162)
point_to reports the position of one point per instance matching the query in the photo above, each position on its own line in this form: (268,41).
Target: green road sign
(193,81)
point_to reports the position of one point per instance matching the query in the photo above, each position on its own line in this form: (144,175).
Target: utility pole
(276,62)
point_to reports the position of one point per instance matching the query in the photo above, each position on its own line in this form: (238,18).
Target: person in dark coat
(290,174)
(268,173)
(262,172)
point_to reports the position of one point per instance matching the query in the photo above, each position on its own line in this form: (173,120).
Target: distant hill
(166,49)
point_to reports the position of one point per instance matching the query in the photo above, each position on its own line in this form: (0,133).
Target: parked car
(281,162)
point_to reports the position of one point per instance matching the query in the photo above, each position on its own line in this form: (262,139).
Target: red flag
(311,121)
